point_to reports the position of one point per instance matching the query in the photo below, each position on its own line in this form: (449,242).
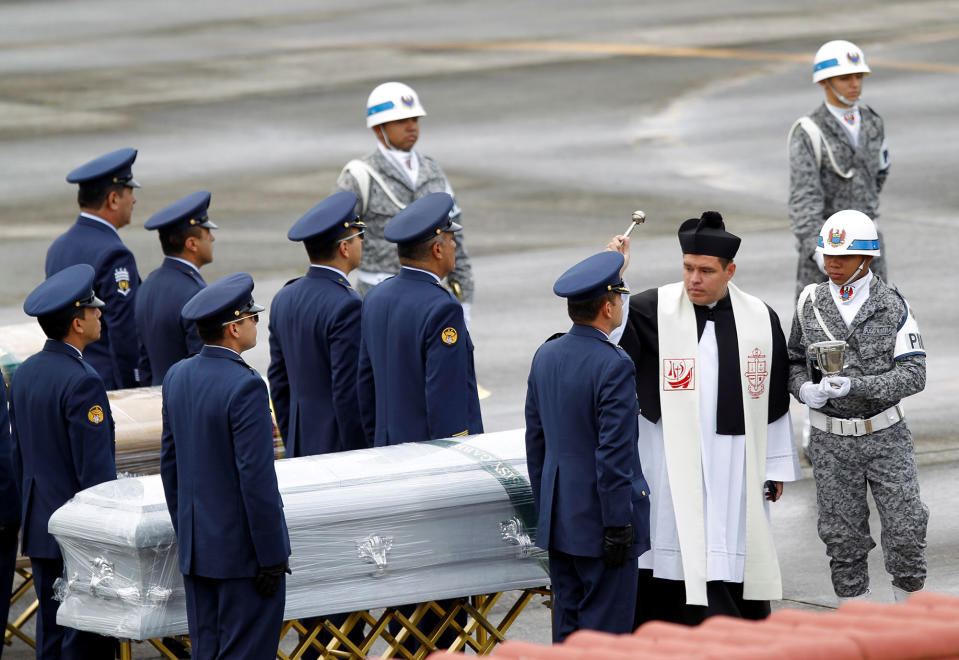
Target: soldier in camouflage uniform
(838,157)
(859,434)
(389,179)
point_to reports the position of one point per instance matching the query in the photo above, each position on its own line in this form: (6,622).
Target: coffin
(369,528)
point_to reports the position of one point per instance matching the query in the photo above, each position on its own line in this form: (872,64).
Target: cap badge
(845,292)
(853,57)
(449,336)
(407,101)
(837,237)
(95,414)
(122,276)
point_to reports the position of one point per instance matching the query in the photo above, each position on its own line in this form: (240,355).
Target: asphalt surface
(553,122)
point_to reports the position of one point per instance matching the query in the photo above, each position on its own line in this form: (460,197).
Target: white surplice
(724,462)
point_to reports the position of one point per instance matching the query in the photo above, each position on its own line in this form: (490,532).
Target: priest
(715,436)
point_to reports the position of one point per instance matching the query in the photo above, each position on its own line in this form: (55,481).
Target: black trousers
(665,600)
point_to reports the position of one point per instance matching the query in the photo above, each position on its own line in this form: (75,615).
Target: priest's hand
(268,579)
(617,542)
(620,243)
(835,386)
(774,490)
(813,395)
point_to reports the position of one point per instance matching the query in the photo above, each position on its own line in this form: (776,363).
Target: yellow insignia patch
(95,414)
(449,336)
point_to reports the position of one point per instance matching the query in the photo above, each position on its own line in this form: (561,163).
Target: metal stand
(480,633)
(15,628)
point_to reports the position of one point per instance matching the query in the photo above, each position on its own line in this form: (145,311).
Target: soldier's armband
(908,339)
(884,156)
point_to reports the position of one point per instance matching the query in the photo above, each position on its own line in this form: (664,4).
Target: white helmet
(837,58)
(391,101)
(849,232)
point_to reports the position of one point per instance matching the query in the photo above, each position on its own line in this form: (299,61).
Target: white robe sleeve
(782,460)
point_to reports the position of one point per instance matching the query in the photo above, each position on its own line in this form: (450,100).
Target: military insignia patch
(845,292)
(122,276)
(853,57)
(756,373)
(449,336)
(95,414)
(837,237)
(850,118)
(679,374)
(407,101)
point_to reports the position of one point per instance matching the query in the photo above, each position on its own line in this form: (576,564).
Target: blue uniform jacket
(216,462)
(314,344)
(88,241)
(165,337)
(9,495)
(581,444)
(416,379)
(63,438)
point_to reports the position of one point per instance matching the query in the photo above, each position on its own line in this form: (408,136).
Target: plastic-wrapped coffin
(369,528)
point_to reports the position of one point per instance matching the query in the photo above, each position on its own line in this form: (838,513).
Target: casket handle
(513,532)
(374,550)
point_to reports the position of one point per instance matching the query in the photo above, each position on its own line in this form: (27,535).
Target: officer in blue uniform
(589,493)
(314,344)
(62,440)
(186,239)
(9,510)
(315,335)
(416,378)
(216,463)
(106,202)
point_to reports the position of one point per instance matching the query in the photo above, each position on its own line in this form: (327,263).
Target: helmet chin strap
(389,146)
(856,274)
(840,96)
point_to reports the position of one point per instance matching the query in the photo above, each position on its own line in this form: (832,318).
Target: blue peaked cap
(191,211)
(71,287)
(422,220)
(225,300)
(592,277)
(114,167)
(328,219)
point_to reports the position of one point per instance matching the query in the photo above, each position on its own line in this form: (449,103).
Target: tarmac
(553,121)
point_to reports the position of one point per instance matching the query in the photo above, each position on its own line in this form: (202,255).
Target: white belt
(371,278)
(856,426)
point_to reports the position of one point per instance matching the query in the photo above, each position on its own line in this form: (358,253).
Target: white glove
(820,262)
(835,386)
(467,308)
(812,394)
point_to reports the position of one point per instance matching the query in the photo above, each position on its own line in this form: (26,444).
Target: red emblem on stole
(679,374)
(756,373)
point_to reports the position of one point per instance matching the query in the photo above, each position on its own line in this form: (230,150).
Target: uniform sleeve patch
(908,338)
(449,336)
(95,414)
(122,277)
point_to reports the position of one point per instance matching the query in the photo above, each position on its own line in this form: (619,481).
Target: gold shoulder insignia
(95,414)
(449,336)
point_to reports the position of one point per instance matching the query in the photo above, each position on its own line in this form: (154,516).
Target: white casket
(369,528)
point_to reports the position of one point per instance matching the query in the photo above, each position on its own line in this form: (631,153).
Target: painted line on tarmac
(639,50)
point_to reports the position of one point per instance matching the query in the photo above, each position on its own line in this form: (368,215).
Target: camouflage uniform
(379,255)
(843,465)
(815,193)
